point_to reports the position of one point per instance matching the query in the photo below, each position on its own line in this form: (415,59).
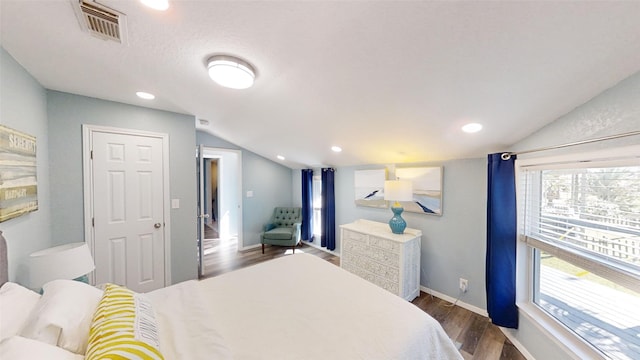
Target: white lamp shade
(231,72)
(398,190)
(67,261)
(156,4)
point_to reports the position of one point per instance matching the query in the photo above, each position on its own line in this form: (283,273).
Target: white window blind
(586,213)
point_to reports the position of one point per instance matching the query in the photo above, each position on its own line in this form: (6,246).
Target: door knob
(157,225)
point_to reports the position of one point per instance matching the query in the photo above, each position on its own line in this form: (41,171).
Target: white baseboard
(517,344)
(315,245)
(450,299)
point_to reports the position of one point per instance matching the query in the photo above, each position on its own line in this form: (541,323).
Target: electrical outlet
(464,284)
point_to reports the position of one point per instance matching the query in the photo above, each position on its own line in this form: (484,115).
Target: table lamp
(398,190)
(69,261)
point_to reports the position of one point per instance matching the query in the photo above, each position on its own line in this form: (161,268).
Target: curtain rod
(507,155)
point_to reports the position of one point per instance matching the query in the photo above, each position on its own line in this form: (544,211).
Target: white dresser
(392,261)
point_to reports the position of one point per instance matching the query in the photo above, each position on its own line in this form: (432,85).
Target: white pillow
(21,348)
(63,315)
(16,303)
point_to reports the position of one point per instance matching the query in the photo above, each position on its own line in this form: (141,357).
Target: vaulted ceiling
(388,81)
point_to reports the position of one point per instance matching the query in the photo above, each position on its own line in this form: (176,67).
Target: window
(581,224)
(317,206)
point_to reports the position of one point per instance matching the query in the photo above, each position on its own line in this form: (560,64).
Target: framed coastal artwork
(427,189)
(18,186)
(369,187)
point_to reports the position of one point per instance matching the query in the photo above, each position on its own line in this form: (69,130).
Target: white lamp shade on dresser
(398,190)
(68,261)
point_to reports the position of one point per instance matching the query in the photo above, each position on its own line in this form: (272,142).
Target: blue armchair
(284,228)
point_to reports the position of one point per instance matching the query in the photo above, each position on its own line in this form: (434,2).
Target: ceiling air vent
(101,21)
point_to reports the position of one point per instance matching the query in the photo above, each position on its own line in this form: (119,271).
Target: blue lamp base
(83,278)
(397,223)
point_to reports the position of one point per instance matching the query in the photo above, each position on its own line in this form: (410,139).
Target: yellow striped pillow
(123,327)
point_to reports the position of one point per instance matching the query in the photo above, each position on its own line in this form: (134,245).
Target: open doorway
(219,205)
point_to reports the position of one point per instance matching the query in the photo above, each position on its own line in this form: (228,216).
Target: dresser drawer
(385,244)
(387,285)
(355,236)
(374,278)
(388,254)
(370,277)
(363,262)
(356,247)
(384,256)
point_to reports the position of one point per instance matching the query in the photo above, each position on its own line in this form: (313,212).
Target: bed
(266,311)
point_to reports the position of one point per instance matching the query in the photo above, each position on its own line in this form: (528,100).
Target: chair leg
(263,248)
(294,249)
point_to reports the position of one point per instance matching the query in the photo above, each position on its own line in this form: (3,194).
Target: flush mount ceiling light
(336,149)
(145,95)
(472,128)
(231,72)
(280,157)
(156,4)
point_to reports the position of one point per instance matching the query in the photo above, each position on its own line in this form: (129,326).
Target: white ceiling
(388,81)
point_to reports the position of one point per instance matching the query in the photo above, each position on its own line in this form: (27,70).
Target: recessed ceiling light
(472,128)
(145,95)
(280,157)
(336,148)
(231,72)
(156,4)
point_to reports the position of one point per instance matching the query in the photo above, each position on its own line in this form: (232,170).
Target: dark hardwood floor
(222,256)
(477,337)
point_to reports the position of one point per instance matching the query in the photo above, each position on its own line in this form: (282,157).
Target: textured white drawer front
(391,261)
(356,236)
(384,256)
(363,262)
(385,244)
(356,247)
(360,272)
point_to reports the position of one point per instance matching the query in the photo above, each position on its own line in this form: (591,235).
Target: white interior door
(128,210)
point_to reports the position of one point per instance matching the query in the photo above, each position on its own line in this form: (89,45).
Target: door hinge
(91,155)
(93,222)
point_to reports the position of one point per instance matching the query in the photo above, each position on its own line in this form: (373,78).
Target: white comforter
(294,307)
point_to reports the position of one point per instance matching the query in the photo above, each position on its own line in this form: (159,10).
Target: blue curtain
(328,216)
(307,204)
(501,242)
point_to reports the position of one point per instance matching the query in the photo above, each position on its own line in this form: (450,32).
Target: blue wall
(23,106)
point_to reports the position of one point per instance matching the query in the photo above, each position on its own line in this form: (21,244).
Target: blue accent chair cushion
(284,228)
